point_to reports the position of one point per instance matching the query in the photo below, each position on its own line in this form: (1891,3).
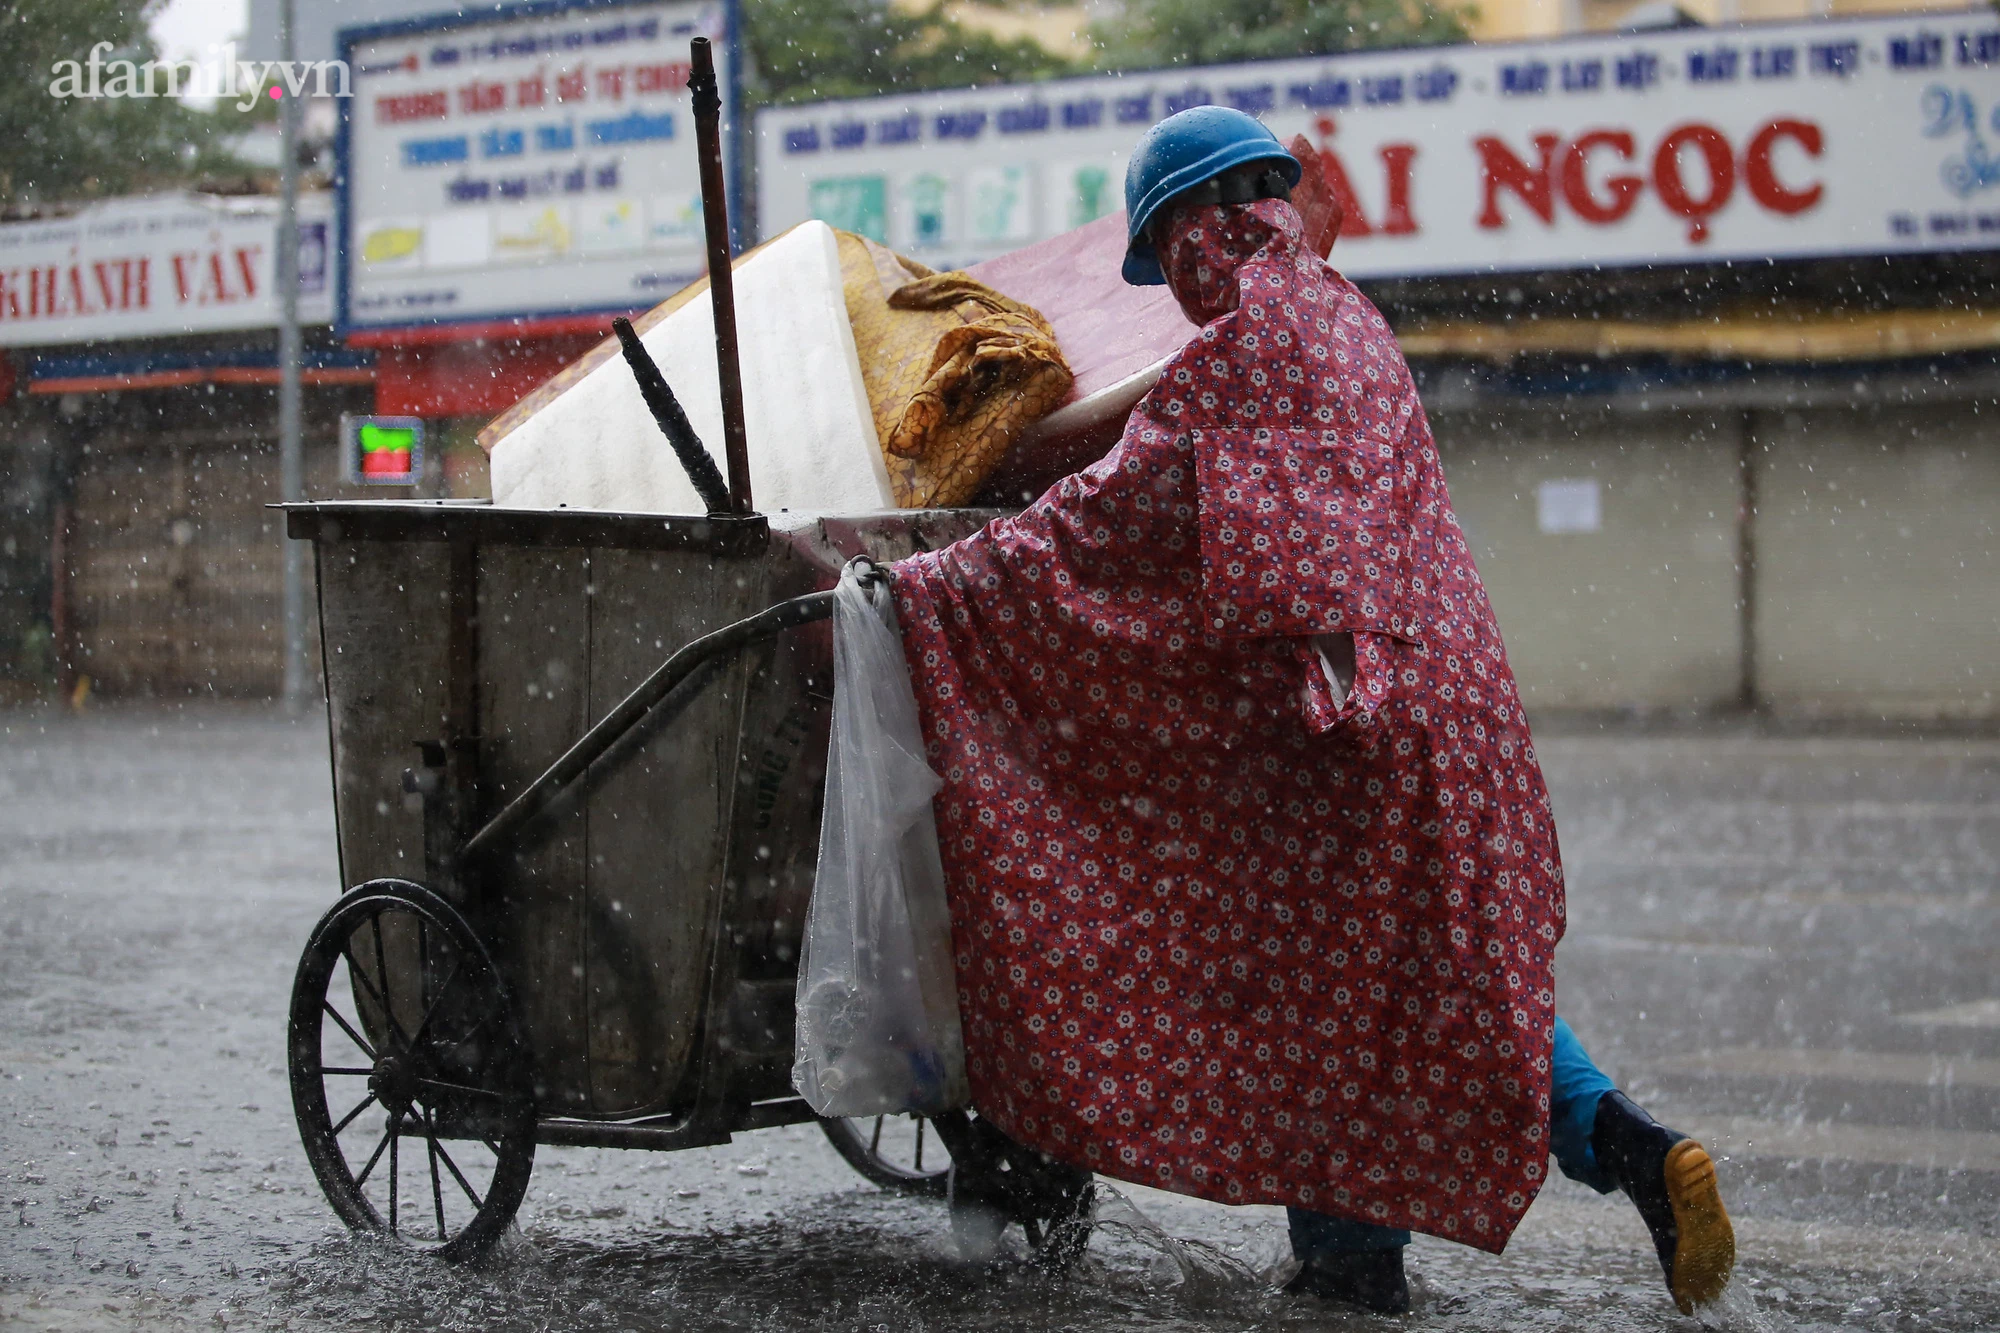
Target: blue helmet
(1181,152)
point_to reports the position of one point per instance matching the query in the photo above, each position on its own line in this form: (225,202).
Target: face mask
(1204,246)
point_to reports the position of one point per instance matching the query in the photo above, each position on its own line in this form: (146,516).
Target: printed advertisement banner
(1876,136)
(154,268)
(535,164)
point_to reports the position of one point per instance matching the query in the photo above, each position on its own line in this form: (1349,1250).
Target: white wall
(1878,557)
(1641,612)
(1879,561)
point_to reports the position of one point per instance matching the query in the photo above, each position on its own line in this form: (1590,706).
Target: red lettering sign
(1720,165)
(205,278)
(668,78)
(1762,177)
(1504,171)
(412,106)
(1694,171)
(1398,167)
(1577,190)
(101,286)
(216,288)
(1398,163)
(478,98)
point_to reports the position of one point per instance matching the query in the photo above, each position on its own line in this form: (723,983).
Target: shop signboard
(1875,136)
(523,163)
(155,267)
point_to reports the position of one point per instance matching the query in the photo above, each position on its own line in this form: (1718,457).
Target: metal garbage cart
(578,763)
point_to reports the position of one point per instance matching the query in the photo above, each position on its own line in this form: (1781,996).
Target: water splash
(1735,1311)
(1202,1267)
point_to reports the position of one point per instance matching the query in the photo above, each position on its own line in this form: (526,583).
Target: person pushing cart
(1254,882)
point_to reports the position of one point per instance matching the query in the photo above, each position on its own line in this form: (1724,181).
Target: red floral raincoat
(1218,929)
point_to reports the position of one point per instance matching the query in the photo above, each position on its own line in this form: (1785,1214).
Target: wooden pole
(721,279)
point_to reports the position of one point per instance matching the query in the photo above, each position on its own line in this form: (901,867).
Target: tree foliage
(55,148)
(817,50)
(1206,32)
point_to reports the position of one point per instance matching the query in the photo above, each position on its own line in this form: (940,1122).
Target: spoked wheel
(897,1152)
(413,1094)
(996,1182)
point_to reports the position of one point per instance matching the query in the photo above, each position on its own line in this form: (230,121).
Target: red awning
(470,379)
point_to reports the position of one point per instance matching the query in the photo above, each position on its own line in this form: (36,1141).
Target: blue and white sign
(1875,136)
(537,163)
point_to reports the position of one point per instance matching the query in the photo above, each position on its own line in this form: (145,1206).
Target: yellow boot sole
(1705,1251)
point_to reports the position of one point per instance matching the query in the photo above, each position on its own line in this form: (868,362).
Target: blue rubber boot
(1671,1180)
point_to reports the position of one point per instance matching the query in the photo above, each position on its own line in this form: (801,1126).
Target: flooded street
(1782,945)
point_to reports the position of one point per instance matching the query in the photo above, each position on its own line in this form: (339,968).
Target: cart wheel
(402,1032)
(897,1152)
(996,1181)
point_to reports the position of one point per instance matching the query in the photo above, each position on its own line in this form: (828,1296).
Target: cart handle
(636,708)
(673,422)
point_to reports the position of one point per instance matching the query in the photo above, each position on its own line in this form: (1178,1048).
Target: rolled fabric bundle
(955,371)
(1004,367)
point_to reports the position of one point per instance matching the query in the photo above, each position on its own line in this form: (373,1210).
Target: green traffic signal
(393,439)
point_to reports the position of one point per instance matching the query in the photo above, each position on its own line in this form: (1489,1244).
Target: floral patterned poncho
(1219,929)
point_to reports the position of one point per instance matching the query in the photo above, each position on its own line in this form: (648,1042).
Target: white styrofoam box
(811,433)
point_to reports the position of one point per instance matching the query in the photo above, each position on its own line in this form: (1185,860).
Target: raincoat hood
(1207,248)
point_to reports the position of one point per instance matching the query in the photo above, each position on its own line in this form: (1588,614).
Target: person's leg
(1316,1235)
(1355,1262)
(1604,1139)
(1576,1085)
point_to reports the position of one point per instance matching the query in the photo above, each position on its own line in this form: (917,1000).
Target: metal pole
(291,446)
(1748,689)
(707,100)
(62,485)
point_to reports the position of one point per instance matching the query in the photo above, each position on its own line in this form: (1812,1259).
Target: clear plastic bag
(878,1026)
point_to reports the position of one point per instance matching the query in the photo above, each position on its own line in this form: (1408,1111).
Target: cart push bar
(657,700)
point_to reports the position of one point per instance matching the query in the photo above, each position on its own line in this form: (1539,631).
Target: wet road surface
(1785,946)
